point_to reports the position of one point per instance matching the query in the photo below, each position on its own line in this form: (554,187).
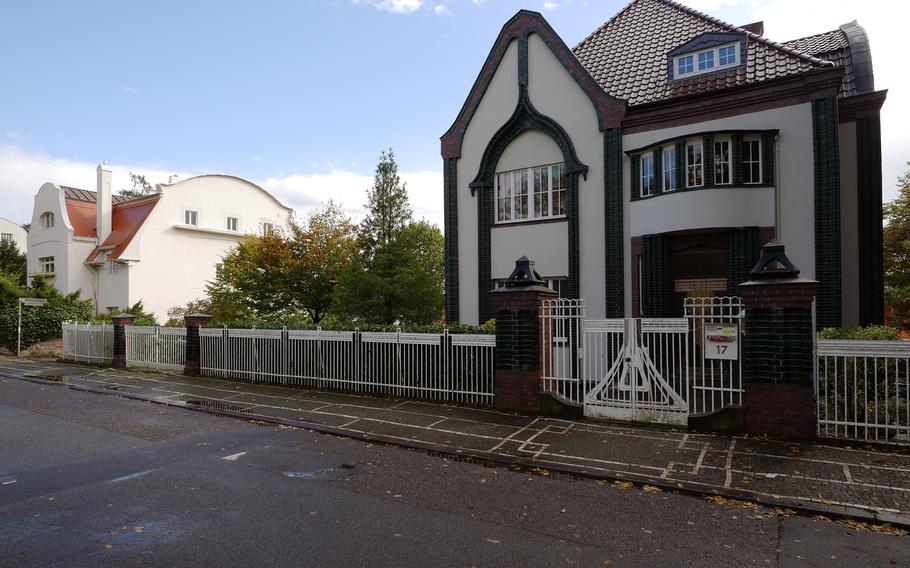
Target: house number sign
(721,342)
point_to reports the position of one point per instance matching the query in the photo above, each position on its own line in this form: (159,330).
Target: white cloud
(550,5)
(23,172)
(128,90)
(785,20)
(441,10)
(394,6)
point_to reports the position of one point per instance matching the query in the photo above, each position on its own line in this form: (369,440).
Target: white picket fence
(863,390)
(88,343)
(449,367)
(156,347)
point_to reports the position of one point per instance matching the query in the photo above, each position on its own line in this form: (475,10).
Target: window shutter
(767,159)
(658,171)
(635,172)
(680,165)
(708,149)
(736,157)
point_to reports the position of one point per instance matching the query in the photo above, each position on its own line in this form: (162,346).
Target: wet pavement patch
(216,406)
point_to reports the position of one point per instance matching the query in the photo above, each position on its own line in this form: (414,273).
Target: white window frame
(6,237)
(186,217)
(700,166)
(227,223)
(715,57)
(113,267)
(668,167)
(47,265)
(266,227)
(47,220)
(747,164)
(511,201)
(728,163)
(646,174)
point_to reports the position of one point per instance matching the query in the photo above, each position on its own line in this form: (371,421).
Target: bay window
(722,162)
(752,161)
(543,186)
(694,164)
(669,166)
(647,174)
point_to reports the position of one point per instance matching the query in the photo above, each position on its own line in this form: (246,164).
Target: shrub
(138,310)
(38,323)
(873,332)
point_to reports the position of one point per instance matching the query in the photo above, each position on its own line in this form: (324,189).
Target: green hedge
(487,328)
(873,332)
(40,323)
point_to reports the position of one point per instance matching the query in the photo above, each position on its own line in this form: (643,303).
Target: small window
(232,223)
(694,164)
(752,161)
(268,229)
(647,174)
(46,265)
(47,220)
(113,267)
(669,166)
(726,55)
(191,217)
(6,237)
(705,60)
(722,162)
(685,65)
(558,189)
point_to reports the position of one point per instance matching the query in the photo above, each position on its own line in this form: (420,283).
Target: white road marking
(131,476)
(234,457)
(728,481)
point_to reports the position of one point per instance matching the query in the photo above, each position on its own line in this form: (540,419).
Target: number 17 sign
(721,341)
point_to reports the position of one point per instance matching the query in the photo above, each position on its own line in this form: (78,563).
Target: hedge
(487,328)
(873,332)
(40,323)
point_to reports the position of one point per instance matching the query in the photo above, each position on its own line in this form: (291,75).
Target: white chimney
(103,209)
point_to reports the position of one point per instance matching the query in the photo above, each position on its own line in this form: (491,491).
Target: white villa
(10,231)
(161,249)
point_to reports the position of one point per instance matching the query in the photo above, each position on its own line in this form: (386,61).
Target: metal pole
(19,338)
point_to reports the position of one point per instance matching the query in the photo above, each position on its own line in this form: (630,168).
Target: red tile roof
(82,217)
(628,54)
(126,220)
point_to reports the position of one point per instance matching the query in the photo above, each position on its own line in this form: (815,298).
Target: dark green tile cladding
(778,346)
(869,220)
(450,205)
(613,224)
(656,282)
(743,254)
(827,212)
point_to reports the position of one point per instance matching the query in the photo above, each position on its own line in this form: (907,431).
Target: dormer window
(706,60)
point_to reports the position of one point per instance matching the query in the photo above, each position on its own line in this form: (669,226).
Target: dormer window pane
(685,65)
(705,60)
(727,55)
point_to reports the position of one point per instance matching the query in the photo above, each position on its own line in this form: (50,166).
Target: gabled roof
(819,43)
(126,220)
(846,47)
(628,54)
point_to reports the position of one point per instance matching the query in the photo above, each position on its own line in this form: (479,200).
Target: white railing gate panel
(156,347)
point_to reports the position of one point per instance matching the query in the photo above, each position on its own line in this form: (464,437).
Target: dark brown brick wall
(783,411)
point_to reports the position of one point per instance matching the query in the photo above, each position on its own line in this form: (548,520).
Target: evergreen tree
(387,202)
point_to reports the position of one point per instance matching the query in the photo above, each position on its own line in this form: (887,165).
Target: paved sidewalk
(856,481)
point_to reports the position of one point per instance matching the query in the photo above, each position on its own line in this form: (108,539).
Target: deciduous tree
(897,253)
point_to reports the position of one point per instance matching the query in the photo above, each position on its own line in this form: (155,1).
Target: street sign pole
(26,302)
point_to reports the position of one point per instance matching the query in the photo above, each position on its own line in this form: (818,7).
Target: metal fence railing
(448,367)
(863,390)
(715,352)
(88,343)
(156,347)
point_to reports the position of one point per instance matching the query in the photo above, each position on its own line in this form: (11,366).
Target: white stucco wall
(170,264)
(849,224)
(20,236)
(794,172)
(53,241)
(494,110)
(726,207)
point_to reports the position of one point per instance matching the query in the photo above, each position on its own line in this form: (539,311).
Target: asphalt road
(92,480)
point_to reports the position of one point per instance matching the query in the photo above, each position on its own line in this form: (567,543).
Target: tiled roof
(82,217)
(88,196)
(127,219)
(820,43)
(628,54)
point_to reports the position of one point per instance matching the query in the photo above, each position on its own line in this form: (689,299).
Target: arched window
(47,220)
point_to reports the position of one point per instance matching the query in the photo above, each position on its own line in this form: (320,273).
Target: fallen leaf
(108,546)
(493,541)
(651,489)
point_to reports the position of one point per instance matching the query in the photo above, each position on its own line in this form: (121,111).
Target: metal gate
(643,369)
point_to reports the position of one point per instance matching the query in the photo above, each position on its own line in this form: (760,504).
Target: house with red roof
(160,249)
(651,162)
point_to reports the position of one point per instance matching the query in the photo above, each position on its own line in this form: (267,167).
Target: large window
(722,162)
(46,265)
(543,186)
(694,164)
(669,166)
(47,220)
(647,175)
(706,60)
(751,161)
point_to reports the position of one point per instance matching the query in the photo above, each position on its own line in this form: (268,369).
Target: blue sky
(300,96)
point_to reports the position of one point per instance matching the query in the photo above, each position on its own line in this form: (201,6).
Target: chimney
(103,208)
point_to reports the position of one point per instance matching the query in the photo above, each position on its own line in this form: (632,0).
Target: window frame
(6,237)
(682,72)
(668,167)
(646,174)
(47,220)
(227,223)
(700,166)
(511,201)
(186,217)
(45,263)
(729,161)
(266,228)
(747,164)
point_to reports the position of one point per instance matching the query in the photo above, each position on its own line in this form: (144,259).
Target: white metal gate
(643,369)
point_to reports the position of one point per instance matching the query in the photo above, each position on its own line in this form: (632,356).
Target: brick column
(120,323)
(193,323)
(517,363)
(778,348)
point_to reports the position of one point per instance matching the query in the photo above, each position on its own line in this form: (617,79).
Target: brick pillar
(517,363)
(777,353)
(193,323)
(120,323)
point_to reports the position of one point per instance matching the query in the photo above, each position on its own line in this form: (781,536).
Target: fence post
(517,361)
(778,347)
(120,322)
(193,322)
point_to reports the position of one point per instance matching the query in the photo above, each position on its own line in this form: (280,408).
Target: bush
(138,310)
(38,323)
(873,332)
(336,325)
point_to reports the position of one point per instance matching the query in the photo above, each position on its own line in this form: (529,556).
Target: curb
(805,508)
